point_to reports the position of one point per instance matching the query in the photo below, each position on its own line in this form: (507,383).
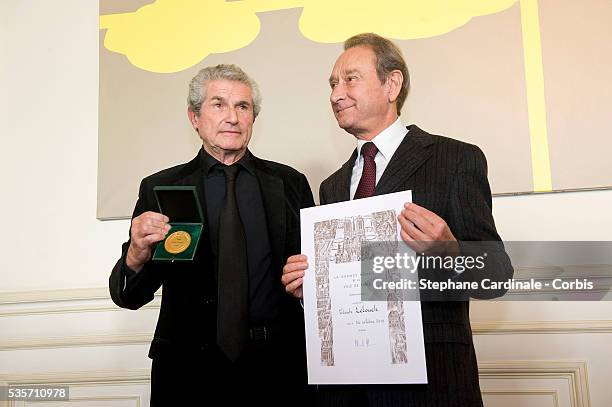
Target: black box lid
(180,203)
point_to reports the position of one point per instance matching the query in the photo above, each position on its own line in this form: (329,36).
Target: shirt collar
(209,162)
(387,140)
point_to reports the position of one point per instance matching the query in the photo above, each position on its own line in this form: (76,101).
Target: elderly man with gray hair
(225,324)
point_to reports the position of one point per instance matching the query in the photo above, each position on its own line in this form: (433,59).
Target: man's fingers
(291,267)
(415,245)
(150,219)
(297,258)
(411,230)
(426,213)
(145,236)
(154,216)
(151,222)
(406,237)
(293,274)
(294,285)
(146,226)
(155,223)
(148,235)
(291,277)
(419,221)
(153,238)
(428,222)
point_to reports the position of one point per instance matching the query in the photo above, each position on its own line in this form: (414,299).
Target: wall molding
(56,295)
(78,377)
(479,328)
(62,301)
(554,394)
(51,310)
(541,327)
(53,295)
(136,399)
(81,378)
(574,373)
(76,341)
(97,299)
(48,302)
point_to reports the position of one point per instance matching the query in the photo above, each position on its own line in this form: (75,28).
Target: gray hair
(197,86)
(388,59)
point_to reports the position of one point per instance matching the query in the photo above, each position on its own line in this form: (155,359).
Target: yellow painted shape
(334,21)
(173,35)
(259,6)
(534,77)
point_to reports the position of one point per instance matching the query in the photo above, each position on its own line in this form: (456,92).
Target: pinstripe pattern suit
(449,178)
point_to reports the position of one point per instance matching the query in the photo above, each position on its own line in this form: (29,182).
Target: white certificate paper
(350,341)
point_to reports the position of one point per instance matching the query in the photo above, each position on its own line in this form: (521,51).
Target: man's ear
(193,118)
(394,81)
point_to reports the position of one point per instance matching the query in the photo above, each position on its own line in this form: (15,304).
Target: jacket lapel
(273,196)
(341,190)
(409,156)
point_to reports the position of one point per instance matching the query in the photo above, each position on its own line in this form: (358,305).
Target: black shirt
(264,293)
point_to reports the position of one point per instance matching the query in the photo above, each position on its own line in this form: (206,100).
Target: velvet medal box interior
(182,206)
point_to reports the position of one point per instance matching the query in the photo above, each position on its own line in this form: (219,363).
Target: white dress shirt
(387,142)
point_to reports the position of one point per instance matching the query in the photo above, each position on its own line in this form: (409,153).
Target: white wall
(56,322)
(50,137)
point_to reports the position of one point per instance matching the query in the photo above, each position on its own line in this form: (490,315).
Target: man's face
(359,100)
(226,118)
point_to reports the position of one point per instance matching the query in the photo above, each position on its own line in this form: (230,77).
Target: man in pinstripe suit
(452,205)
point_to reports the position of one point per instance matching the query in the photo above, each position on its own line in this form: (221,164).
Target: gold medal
(177,242)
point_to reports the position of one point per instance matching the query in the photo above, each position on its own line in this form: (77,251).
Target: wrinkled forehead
(356,59)
(228,89)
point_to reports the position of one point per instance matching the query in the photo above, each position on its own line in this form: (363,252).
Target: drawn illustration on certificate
(350,336)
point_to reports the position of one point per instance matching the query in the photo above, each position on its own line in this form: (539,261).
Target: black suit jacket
(187,317)
(449,178)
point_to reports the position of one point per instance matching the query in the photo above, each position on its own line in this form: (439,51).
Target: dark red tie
(367,183)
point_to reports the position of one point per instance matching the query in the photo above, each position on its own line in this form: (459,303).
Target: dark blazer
(187,317)
(449,178)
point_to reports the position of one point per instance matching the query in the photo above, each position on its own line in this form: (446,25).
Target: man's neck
(369,134)
(225,157)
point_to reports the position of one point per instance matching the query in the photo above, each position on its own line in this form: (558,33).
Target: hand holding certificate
(350,340)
